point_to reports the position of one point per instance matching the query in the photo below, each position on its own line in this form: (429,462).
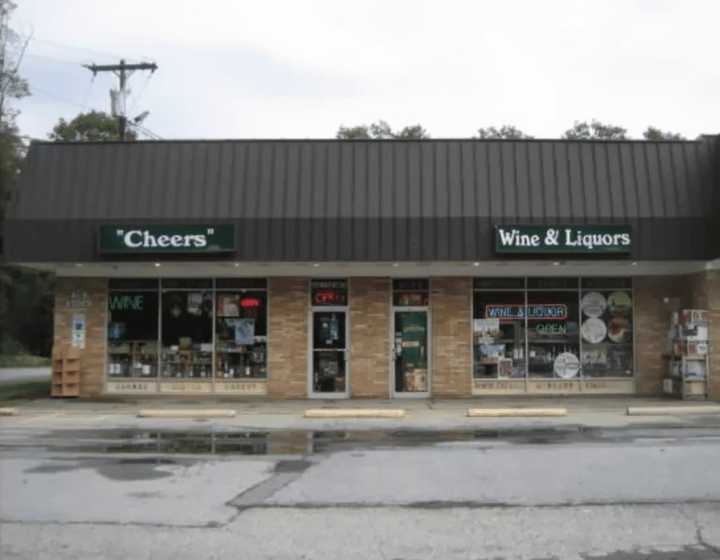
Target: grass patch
(24,390)
(23,360)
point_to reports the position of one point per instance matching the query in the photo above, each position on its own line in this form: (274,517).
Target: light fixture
(476,264)
(316,265)
(395,265)
(157,265)
(236,265)
(634,263)
(556,263)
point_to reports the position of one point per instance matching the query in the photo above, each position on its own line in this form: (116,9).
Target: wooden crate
(65,373)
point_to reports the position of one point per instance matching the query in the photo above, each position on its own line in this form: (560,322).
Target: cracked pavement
(213,492)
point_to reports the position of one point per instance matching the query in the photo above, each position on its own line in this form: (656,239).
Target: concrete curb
(8,411)
(672,410)
(354,413)
(515,412)
(186,413)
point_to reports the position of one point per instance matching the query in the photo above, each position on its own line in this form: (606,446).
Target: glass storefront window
(164,329)
(241,334)
(411,293)
(499,334)
(556,328)
(553,344)
(187,334)
(132,333)
(607,328)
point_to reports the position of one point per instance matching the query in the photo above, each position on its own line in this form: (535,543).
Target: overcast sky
(299,69)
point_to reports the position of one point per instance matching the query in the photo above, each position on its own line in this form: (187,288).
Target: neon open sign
(518,311)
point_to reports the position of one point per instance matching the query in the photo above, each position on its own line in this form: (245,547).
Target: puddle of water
(307,442)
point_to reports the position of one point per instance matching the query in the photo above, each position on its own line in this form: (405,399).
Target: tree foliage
(652,133)
(381,130)
(12,88)
(595,130)
(93,126)
(25,296)
(506,131)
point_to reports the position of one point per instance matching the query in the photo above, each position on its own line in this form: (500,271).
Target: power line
(51,59)
(35,89)
(76,48)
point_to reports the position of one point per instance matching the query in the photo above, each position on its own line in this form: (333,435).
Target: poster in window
(593,304)
(244,332)
(593,330)
(620,304)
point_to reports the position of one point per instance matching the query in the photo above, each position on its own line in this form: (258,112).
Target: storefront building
(372,269)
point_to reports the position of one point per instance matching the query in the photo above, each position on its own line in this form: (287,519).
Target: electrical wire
(136,98)
(53,59)
(74,47)
(35,89)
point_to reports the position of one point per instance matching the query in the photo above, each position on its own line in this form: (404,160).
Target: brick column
(91,300)
(652,323)
(451,308)
(288,337)
(704,293)
(369,337)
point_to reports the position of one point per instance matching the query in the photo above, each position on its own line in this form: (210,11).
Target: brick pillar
(90,299)
(451,308)
(288,338)
(369,337)
(704,293)
(652,323)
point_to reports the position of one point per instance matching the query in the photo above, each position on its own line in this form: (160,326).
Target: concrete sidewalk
(420,414)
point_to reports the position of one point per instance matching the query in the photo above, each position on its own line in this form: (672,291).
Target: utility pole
(123,71)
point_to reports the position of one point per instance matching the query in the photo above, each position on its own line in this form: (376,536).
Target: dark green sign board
(585,240)
(175,239)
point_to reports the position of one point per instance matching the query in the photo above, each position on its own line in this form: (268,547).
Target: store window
(192,329)
(607,327)
(552,328)
(241,330)
(411,292)
(499,334)
(552,332)
(187,329)
(133,329)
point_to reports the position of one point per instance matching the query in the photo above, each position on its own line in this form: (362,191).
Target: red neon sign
(249,303)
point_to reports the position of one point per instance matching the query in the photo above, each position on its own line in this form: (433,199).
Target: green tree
(652,133)
(12,88)
(506,131)
(25,296)
(93,126)
(381,130)
(595,130)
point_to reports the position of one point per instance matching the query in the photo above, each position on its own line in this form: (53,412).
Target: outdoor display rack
(688,356)
(66,373)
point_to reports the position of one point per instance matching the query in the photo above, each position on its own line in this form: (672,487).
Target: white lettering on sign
(540,237)
(136,238)
(515,238)
(591,240)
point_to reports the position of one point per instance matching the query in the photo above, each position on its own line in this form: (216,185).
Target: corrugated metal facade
(368,200)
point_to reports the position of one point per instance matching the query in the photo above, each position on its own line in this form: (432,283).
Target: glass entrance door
(328,370)
(410,353)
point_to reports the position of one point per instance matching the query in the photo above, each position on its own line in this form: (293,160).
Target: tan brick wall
(288,338)
(652,322)
(370,337)
(92,358)
(451,308)
(704,293)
